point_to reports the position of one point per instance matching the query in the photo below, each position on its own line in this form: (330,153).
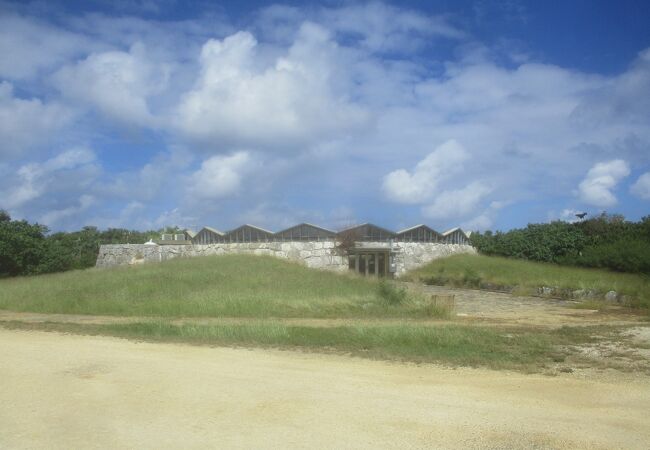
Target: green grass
(256,287)
(527,276)
(455,345)
(213,286)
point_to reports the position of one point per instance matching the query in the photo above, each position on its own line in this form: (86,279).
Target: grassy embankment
(217,286)
(261,290)
(525,277)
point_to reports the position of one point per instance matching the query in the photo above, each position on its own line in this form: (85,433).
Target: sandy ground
(67,391)
(508,309)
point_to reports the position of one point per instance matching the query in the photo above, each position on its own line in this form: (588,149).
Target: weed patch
(211,286)
(455,345)
(393,295)
(526,277)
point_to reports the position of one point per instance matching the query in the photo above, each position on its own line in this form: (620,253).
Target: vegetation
(22,247)
(215,286)
(28,249)
(477,271)
(456,345)
(607,241)
(260,291)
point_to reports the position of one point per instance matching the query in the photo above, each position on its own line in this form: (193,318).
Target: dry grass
(525,277)
(213,286)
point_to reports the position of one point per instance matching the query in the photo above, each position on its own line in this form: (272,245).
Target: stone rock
(579,293)
(545,290)
(611,297)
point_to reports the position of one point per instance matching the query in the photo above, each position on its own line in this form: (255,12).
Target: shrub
(607,241)
(391,294)
(471,278)
(441,306)
(439,279)
(622,256)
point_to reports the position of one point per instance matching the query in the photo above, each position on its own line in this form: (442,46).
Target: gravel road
(68,391)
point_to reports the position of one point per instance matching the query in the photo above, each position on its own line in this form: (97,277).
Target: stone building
(367,248)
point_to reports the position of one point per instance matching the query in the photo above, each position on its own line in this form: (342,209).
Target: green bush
(28,249)
(471,278)
(22,246)
(391,294)
(623,256)
(607,241)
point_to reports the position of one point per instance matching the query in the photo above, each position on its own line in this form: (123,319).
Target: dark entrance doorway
(370,262)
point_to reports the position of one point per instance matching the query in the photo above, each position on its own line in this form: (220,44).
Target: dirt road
(503,308)
(63,391)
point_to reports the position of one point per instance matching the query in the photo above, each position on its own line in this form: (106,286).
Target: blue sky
(480,114)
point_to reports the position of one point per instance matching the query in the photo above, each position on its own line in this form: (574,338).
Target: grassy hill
(525,277)
(259,292)
(216,286)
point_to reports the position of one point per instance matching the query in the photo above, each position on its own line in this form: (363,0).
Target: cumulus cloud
(338,102)
(479,223)
(219,176)
(617,101)
(70,170)
(30,46)
(485,219)
(117,84)
(55,216)
(641,188)
(596,188)
(376,27)
(151,180)
(27,123)
(569,215)
(421,184)
(240,100)
(457,203)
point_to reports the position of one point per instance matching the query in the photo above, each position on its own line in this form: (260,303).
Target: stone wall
(319,254)
(416,254)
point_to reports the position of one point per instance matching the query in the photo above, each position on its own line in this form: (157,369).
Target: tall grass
(527,276)
(457,345)
(213,286)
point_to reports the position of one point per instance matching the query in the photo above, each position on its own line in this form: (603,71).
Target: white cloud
(641,188)
(382,27)
(371,26)
(485,219)
(29,46)
(152,181)
(278,216)
(69,159)
(118,84)
(25,124)
(33,180)
(459,203)
(479,223)
(420,185)
(53,217)
(331,100)
(596,188)
(567,215)
(241,100)
(138,215)
(219,176)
